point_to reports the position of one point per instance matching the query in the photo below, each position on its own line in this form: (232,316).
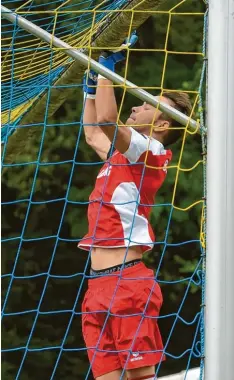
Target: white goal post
(219,323)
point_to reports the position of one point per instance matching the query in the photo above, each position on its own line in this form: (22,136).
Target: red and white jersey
(123,196)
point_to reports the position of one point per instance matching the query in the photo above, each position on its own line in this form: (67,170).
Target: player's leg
(115,375)
(144,373)
(137,336)
(104,361)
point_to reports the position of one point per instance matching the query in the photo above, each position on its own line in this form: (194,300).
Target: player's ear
(161,125)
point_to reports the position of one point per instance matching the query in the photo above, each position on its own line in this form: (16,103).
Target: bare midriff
(102,258)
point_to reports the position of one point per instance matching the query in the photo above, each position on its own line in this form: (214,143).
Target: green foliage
(62,136)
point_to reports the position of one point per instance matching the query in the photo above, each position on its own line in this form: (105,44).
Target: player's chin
(130,122)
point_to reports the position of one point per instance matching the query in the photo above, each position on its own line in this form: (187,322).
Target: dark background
(62,222)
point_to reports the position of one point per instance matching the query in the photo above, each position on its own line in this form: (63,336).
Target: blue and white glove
(109,59)
(89,84)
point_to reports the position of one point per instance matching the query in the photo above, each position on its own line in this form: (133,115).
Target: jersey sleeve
(140,145)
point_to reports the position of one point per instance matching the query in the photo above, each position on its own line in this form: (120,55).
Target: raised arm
(106,107)
(93,133)
(107,116)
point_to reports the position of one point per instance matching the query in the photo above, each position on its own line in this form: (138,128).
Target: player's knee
(147,377)
(146,373)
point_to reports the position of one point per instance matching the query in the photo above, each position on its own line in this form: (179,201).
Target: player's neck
(155,135)
(158,136)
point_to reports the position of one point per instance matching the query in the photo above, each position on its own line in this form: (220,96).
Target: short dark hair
(181,102)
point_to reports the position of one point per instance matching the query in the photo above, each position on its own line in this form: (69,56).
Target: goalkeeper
(123,301)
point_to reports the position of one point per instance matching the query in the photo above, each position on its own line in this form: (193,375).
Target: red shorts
(119,330)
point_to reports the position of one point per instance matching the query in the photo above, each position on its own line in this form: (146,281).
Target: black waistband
(116,268)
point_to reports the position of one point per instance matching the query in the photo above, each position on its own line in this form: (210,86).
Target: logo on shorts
(136,356)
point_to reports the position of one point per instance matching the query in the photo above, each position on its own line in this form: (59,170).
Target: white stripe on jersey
(135,226)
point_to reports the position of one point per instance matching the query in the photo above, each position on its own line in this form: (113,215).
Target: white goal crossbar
(100,69)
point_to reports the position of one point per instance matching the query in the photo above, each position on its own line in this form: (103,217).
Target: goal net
(49,172)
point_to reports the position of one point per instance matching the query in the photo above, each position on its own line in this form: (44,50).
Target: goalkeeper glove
(89,84)
(109,59)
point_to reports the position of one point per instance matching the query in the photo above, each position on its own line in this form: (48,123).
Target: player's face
(144,116)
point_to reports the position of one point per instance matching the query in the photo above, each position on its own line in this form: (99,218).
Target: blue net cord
(14,94)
